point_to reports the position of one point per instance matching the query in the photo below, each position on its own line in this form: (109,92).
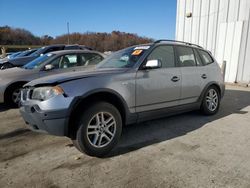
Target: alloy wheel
(16,96)
(101,129)
(212,100)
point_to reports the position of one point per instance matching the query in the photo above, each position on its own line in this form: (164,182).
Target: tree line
(99,41)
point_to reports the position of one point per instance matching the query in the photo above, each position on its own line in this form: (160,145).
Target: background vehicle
(132,85)
(51,63)
(17,54)
(10,56)
(24,53)
(20,61)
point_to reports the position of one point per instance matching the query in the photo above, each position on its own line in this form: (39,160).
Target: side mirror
(48,67)
(153,64)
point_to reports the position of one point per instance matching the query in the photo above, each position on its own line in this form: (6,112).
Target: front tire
(100,128)
(211,101)
(13,96)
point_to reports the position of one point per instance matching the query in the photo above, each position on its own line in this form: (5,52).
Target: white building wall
(221,26)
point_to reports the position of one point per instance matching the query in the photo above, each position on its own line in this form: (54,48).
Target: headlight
(45,93)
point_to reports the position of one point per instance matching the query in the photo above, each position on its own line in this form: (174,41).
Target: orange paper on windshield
(137,52)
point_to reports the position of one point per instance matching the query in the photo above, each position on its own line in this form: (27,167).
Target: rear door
(209,69)
(191,75)
(161,87)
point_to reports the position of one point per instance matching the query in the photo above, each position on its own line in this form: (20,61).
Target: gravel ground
(188,150)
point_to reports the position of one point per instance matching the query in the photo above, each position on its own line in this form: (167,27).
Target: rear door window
(185,56)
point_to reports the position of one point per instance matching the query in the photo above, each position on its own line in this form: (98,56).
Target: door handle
(204,76)
(175,79)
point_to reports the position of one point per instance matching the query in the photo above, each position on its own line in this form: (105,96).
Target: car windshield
(124,58)
(38,61)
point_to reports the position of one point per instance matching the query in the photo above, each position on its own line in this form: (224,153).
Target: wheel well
(217,87)
(8,63)
(11,86)
(93,98)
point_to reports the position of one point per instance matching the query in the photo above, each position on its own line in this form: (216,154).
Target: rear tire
(100,128)
(211,101)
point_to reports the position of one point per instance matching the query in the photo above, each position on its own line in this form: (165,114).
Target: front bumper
(52,122)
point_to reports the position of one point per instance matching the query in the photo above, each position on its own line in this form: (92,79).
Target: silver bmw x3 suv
(135,84)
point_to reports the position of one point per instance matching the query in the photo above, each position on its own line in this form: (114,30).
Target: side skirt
(165,112)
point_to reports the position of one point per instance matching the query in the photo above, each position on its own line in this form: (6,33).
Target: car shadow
(144,134)
(4,107)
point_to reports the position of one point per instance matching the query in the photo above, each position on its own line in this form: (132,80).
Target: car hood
(64,77)
(15,72)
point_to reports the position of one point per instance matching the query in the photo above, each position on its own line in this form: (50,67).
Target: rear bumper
(51,122)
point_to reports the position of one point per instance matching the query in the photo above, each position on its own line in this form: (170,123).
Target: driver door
(161,87)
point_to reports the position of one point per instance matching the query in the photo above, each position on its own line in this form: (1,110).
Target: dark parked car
(17,55)
(20,61)
(26,53)
(132,85)
(11,80)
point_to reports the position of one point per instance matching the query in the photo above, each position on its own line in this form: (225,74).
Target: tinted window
(185,56)
(71,47)
(52,49)
(206,58)
(165,54)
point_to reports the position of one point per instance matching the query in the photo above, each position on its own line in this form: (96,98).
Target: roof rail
(187,43)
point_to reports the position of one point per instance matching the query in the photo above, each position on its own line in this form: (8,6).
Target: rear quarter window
(206,57)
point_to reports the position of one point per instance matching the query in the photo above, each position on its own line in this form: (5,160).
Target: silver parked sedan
(11,80)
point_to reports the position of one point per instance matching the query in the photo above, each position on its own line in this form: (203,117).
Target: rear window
(206,58)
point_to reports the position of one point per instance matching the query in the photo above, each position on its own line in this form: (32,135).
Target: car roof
(179,43)
(170,42)
(62,52)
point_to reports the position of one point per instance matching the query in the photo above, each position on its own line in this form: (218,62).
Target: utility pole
(68,31)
